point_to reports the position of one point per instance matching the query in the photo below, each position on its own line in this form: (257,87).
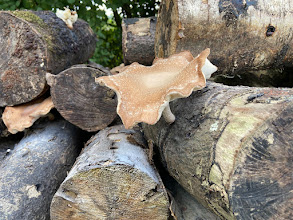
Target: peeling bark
(112,179)
(33,43)
(231,148)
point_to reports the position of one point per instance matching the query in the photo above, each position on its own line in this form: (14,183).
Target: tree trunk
(245,37)
(33,43)
(231,148)
(138,38)
(111,179)
(34,169)
(80,100)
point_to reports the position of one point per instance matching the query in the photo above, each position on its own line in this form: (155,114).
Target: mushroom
(68,16)
(144,92)
(17,118)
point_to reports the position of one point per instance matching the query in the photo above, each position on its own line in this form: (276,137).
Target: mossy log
(112,179)
(231,148)
(80,100)
(33,43)
(138,40)
(32,171)
(245,37)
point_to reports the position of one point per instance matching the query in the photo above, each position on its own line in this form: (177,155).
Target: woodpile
(222,152)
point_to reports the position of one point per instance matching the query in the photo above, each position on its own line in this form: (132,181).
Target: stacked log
(33,43)
(246,38)
(80,100)
(231,148)
(112,179)
(138,38)
(32,171)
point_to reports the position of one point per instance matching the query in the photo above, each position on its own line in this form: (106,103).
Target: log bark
(231,148)
(34,169)
(138,37)
(245,37)
(80,100)
(33,43)
(111,179)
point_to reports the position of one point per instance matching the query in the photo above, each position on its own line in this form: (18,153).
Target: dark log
(112,179)
(32,172)
(231,148)
(245,37)
(185,207)
(3,129)
(138,37)
(33,43)
(80,100)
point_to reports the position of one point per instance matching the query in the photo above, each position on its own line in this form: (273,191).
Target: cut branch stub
(144,92)
(33,43)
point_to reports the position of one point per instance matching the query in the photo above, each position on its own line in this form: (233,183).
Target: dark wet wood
(231,148)
(33,43)
(80,100)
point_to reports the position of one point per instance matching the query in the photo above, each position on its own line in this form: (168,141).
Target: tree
(104,17)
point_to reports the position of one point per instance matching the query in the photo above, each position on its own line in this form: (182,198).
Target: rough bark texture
(245,37)
(111,179)
(33,43)
(231,148)
(80,100)
(34,169)
(138,38)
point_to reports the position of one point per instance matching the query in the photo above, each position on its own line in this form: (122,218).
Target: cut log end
(113,192)
(80,100)
(112,179)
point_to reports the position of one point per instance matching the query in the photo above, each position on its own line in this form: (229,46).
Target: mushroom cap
(17,118)
(143,92)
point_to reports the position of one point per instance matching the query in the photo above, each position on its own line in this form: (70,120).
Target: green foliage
(107,28)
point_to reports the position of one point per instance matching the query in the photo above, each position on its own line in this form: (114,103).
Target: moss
(30,17)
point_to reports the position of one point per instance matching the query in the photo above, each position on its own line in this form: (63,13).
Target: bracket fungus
(17,118)
(144,92)
(68,16)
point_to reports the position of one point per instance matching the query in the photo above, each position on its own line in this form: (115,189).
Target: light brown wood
(112,179)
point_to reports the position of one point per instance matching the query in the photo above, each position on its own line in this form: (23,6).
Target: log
(245,37)
(138,37)
(185,207)
(111,179)
(34,169)
(231,148)
(33,43)
(80,100)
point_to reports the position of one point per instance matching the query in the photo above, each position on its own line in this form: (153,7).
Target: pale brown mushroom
(144,92)
(17,118)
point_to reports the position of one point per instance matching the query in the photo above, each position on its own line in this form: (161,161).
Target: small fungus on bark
(17,118)
(144,92)
(68,16)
